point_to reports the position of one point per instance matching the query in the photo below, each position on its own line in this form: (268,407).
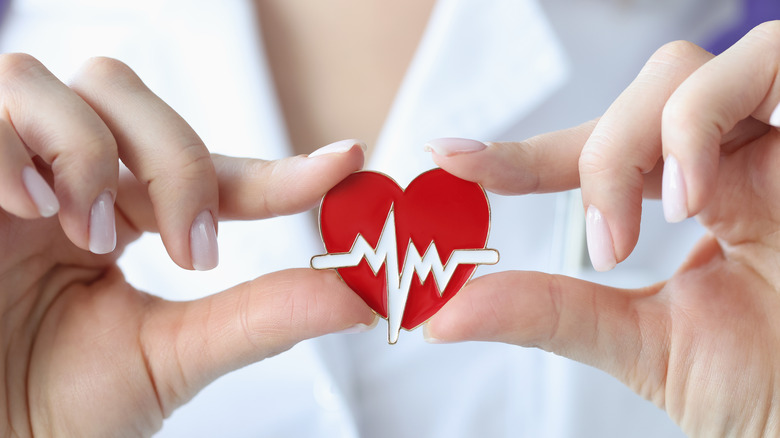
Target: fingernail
(430,338)
(338,147)
(774,119)
(673,195)
(40,192)
(600,247)
(454,146)
(203,242)
(359,327)
(102,227)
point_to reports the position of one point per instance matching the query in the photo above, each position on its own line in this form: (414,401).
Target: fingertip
(464,318)
(692,153)
(449,146)
(360,327)
(601,248)
(204,248)
(541,164)
(24,192)
(185,204)
(102,224)
(612,189)
(611,233)
(429,336)
(674,197)
(40,193)
(437,331)
(339,147)
(339,158)
(252,189)
(500,167)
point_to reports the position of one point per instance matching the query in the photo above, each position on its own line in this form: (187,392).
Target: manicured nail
(600,246)
(673,194)
(203,242)
(40,192)
(339,147)
(102,227)
(454,146)
(774,119)
(427,337)
(359,327)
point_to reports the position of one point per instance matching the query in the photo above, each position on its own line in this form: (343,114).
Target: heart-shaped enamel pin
(386,243)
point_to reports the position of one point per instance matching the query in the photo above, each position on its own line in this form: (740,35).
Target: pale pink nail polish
(40,192)
(600,245)
(203,242)
(673,191)
(427,337)
(102,226)
(360,327)
(339,147)
(454,146)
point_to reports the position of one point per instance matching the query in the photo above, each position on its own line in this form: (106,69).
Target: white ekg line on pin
(399,283)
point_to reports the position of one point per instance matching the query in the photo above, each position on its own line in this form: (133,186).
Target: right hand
(83,352)
(705,344)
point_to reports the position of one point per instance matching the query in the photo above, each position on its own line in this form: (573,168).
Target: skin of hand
(84,353)
(704,345)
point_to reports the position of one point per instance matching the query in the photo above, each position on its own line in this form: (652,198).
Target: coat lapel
(480,67)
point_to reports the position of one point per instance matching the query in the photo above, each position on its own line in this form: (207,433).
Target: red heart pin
(405,252)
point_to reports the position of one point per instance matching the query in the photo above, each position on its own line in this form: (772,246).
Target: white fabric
(486,70)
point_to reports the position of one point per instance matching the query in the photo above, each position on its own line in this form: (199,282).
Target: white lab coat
(487,70)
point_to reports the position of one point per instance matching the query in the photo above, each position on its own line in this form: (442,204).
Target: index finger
(542,164)
(252,188)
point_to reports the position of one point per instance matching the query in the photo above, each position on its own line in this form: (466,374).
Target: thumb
(619,331)
(188,345)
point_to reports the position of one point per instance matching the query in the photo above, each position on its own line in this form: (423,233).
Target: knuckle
(555,293)
(104,66)
(674,109)
(106,70)
(195,162)
(101,145)
(189,165)
(676,50)
(520,154)
(593,159)
(677,112)
(91,142)
(281,192)
(15,67)
(766,34)
(673,59)
(247,324)
(96,148)
(770,29)
(670,66)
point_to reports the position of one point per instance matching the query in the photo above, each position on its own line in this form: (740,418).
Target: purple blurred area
(754,12)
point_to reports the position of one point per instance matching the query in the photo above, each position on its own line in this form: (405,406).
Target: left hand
(704,345)
(82,352)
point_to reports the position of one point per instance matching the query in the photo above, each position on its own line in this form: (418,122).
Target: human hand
(704,345)
(85,354)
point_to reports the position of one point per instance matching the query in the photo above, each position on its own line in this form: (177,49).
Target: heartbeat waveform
(399,282)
